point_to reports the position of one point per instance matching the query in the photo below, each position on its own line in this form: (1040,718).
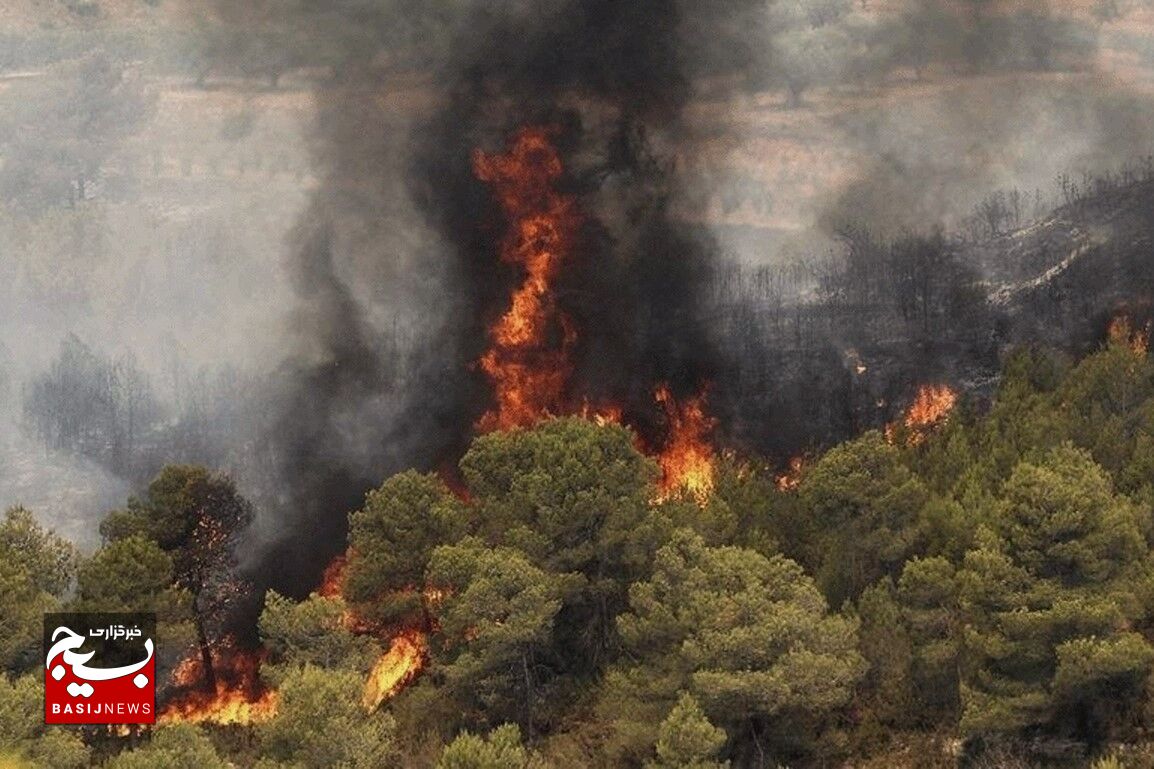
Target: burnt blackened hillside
(818,354)
(1091,260)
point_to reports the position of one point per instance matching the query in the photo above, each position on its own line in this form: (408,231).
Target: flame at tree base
(333,578)
(528,360)
(791,480)
(407,651)
(238,696)
(687,461)
(397,667)
(226,706)
(931,407)
(1123,333)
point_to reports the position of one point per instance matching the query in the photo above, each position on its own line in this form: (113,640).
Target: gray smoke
(271,208)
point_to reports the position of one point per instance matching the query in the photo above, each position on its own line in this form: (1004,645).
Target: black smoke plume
(396,259)
(360,399)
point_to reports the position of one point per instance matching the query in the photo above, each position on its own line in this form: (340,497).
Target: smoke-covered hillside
(727,333)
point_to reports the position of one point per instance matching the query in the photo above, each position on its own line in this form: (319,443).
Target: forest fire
(405,657)
(687,460)
(397,667)
(333,579)
(528,359)
(790,480)
(233,694)
(527,362)
(333,585)
(1122,332)
(931,407)
(933,404)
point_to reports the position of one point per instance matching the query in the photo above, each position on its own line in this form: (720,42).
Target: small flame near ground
(333,579)
(408,649)
(333,586)
(687,460)
(238,696)
(1122,332)
(790,480)
(395,668)
(931,407)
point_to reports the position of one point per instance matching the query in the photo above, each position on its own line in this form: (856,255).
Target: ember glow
(1122,332)
(397,667)
(687,460)
(237,697)
(528,361)
(333,579)
(791,480)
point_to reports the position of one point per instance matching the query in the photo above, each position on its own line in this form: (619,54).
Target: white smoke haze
(149,221)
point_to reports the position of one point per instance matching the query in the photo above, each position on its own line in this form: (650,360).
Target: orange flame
(397,667)
(687,460)
(333,579)
(408,650)
(333,586)
(1122,333)
(528,358)
(932,406)
(792,479)
(602,415)
(450,475)
(238,696)
(227,706)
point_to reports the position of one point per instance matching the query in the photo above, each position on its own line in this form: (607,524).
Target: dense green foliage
(36,568)
(982,595)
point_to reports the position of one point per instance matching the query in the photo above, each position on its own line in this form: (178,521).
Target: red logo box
(99,668)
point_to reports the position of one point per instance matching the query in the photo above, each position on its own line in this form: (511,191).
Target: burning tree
(528,361)
(687,461)
(559,550)
(197,518)
(227,689)
(932,407)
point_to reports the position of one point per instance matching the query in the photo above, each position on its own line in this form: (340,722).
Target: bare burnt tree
(96,407)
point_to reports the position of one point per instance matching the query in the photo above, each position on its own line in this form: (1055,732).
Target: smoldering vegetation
(249,234)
